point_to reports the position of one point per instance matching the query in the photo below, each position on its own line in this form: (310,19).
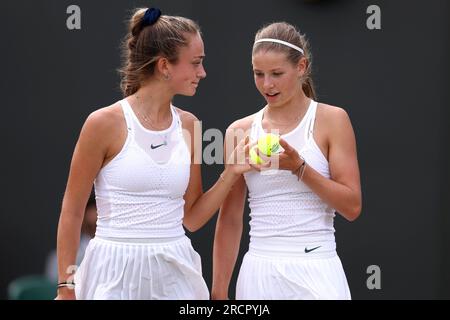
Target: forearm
(68,241)
(226,247)
(209,202)
(338,196)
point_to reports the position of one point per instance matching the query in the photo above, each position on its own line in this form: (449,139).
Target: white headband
(281,42)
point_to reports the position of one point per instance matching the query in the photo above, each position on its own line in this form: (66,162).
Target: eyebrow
(276,69)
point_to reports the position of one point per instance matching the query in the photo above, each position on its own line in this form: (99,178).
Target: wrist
(229,175)
(300,171)
(299,164)
(65,291)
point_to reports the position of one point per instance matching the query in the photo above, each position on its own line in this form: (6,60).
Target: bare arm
(86,162)
(343,191)
(227,239)
(228,232)
(200,207)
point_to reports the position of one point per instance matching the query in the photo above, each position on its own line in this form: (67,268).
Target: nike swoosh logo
(312,249)
(159,145)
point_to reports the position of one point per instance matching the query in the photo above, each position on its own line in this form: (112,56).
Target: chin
(278,103)
(275,104)
(188,93)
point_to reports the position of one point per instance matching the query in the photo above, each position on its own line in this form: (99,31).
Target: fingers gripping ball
(254,156)
(268,145)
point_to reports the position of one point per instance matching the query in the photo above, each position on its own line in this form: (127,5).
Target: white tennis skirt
(140,269)
(282,271)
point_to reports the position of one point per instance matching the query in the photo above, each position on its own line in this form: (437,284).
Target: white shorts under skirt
(147,269)
(269,272)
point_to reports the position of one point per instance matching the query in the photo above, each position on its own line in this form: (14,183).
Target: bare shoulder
(334,126)
(331,116)
(243,123)
(186,117)
(105,125)
(105,118)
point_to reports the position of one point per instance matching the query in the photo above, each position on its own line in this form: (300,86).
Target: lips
(272,95)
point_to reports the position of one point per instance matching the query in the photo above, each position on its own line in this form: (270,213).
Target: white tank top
(138,196)
(282,206)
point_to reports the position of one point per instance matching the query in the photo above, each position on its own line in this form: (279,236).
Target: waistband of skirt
(292,247)
(151,232)
(145,241)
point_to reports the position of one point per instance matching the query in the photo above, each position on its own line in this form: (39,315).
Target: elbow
(353,213)
(353,208)
(191,225)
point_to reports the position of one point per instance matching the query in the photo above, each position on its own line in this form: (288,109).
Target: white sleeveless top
(137,196)
(282,206)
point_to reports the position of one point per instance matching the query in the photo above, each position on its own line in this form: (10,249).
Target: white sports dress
(292,251)
(140,250)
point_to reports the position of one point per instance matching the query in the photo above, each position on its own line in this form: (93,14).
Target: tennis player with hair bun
(146,183)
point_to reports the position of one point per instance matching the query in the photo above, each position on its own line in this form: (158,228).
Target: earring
(166,76)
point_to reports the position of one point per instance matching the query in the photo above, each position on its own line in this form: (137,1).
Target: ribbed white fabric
(124,270)
(282,206)
(138,197)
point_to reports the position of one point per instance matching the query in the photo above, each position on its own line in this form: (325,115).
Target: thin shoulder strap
(311,120)
(127,113)
(177,118)
(256,124)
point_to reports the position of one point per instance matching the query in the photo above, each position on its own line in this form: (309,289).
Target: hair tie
(151,16)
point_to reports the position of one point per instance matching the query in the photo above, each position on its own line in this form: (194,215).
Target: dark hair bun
(151,16)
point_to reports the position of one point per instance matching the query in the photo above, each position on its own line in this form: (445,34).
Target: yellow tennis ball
(254,156)
(268,144)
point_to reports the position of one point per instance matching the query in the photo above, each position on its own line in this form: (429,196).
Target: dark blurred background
(393,83)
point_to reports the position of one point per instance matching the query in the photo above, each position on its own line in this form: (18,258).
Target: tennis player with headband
(292,251)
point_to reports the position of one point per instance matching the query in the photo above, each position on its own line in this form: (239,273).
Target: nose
(268,84)
(202,73)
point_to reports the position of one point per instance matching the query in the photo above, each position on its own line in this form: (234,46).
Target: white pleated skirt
(140,270)
(275,272)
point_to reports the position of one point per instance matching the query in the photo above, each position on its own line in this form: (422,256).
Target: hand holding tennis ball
(267,145)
